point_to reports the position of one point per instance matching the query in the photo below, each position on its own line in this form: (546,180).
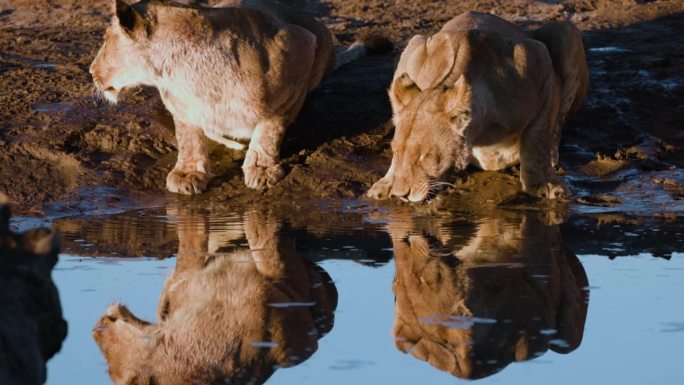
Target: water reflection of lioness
(471,305)
(229,313)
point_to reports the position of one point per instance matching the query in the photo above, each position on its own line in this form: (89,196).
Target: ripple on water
(44,65)
(609,49)
(673,327)
(54,107)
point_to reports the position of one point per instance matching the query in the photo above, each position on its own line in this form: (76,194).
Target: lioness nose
(399,187)
(398,192)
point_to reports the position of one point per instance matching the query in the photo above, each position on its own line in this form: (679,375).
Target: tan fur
(235,73)
(462,311)
(216,305)
(481,92)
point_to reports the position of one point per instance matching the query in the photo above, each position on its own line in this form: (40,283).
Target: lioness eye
(430,162)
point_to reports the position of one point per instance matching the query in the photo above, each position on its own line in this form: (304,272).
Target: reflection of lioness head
(472,306)
(230,316)
(481,92)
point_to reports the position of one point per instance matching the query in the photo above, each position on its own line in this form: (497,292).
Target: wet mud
(57,140)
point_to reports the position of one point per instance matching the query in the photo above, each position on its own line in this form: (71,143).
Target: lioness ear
(403,90)
(129,19)
(457,101)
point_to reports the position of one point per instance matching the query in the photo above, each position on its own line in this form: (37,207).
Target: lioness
(235,73)
(481,91)
(228,314)
(473,300)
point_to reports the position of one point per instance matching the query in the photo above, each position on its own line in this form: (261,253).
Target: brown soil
(56,140)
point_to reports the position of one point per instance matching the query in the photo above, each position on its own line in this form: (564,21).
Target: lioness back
(476,21)
(325,51)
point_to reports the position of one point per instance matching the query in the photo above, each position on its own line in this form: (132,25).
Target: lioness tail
(364,45)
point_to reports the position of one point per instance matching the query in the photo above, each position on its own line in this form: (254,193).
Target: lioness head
(429,138)
(122,61)
(120,335)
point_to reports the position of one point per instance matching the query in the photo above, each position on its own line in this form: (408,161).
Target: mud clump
(600,200)
(602,166)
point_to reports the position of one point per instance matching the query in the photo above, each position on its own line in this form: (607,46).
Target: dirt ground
(622,151)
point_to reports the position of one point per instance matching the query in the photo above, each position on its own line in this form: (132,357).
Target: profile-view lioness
(233,311)
(481,91)
(234,73)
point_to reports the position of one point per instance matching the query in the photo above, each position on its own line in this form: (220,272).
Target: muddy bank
(623,149)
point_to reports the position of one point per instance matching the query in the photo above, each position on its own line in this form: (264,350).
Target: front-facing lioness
(481,91)
(236,72)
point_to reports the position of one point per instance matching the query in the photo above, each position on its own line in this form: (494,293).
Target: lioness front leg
(536,172)
(275,256)
(191,173)
(262,161)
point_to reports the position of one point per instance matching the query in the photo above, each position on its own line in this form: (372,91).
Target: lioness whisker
(98,96)
(439,252)
(438,183)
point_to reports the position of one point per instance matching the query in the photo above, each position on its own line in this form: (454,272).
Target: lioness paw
(187,183)
(259,230)
(380,190)
(260,177)
(549,190)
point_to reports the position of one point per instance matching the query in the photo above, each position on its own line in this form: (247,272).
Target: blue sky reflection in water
(633,333)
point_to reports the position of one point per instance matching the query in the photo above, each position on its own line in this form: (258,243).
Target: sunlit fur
(216,308)
(482,92)
(235,73)
(119,64)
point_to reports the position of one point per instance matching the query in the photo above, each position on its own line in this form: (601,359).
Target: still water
(346,296)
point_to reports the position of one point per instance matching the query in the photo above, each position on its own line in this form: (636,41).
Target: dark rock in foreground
(31,325)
